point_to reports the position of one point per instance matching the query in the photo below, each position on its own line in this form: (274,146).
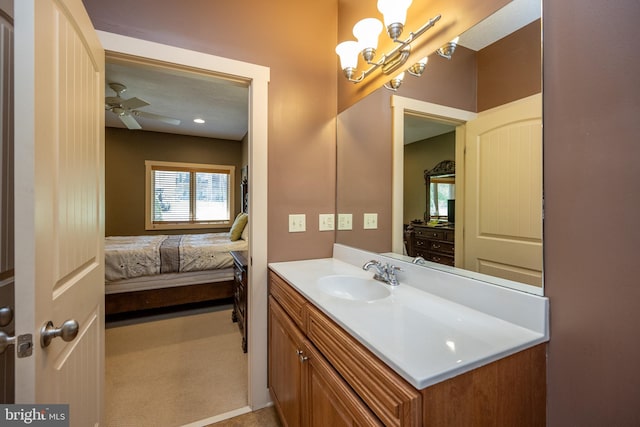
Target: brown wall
(125,154)
(592,198)
(296,39)
(510,68)
(364,171)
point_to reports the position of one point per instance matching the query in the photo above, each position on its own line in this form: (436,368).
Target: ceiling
(223,103)
(182,95)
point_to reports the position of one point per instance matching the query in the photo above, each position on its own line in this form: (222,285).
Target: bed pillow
(245,232)
(238,226)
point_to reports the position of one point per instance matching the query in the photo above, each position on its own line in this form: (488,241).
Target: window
(188,195)
(442,189)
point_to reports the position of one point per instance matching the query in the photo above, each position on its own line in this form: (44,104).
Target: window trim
(150,165)
(434,182)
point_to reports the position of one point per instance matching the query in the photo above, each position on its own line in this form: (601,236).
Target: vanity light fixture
(367,32)
(447,50)
(418,68)
(395,82)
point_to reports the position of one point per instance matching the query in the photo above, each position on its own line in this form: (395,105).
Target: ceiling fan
(126,109)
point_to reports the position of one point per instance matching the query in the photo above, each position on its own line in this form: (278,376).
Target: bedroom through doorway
(200,333)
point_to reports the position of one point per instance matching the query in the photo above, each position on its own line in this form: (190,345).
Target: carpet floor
(266,417)
(174,371)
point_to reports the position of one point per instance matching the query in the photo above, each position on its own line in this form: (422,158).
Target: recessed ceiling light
(198,120)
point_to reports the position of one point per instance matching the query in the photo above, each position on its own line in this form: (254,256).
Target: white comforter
(127,257)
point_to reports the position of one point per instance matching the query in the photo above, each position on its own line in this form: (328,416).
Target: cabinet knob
(301,356)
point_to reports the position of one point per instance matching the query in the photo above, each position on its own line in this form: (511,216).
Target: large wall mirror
(481,111)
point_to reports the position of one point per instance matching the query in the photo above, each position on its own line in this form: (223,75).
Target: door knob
(68,331)
(5,341)
(6,316)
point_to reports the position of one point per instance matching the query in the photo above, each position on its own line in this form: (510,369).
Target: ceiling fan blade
(112,100)
(165,119)
(129,121)
(132,103)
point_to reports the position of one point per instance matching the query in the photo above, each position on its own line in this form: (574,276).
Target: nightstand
(240,272)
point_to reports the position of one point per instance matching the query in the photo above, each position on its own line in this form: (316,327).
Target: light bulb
(348,52)
(367,32)
(394,11)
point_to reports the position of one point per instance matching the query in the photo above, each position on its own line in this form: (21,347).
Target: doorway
(400,107)
(257,78)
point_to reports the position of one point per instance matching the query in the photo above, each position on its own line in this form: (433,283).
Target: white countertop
(423,337)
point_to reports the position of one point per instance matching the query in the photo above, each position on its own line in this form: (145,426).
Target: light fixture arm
(398,55)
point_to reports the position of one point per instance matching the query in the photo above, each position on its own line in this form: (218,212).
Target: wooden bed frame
(166,297)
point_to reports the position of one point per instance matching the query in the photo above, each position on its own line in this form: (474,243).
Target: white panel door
(503,192)
(59,196)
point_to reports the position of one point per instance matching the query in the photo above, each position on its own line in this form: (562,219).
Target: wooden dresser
(240,313)
(434,244)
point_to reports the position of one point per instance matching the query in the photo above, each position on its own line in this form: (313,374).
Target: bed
(154,271)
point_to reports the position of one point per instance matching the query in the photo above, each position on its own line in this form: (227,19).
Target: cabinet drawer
(439,258)
(389,396)
(439,246)
(291,301)
(430,233)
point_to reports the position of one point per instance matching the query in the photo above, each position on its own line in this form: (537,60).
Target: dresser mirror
(373,156)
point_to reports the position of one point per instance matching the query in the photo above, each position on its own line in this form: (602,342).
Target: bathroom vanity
(347,350)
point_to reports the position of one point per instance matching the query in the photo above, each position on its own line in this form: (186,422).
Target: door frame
(399,106)
(257,78)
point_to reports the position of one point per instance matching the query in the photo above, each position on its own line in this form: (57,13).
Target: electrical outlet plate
(370,221)
(297,223)
(326,222)
(345,222)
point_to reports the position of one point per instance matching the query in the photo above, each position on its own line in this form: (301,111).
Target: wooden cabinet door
(329,401)
(285,367)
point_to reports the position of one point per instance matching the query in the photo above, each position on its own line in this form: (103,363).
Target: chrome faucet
(419,260)
(385,273)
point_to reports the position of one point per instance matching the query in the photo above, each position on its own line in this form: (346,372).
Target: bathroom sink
(353,288)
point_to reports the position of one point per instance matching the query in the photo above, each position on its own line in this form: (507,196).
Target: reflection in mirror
(507,76)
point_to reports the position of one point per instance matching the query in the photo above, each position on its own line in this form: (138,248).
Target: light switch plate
(345,221)
(326,222)
(297,223)
(370,221)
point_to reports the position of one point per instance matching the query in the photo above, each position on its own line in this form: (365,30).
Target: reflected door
(503,192)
